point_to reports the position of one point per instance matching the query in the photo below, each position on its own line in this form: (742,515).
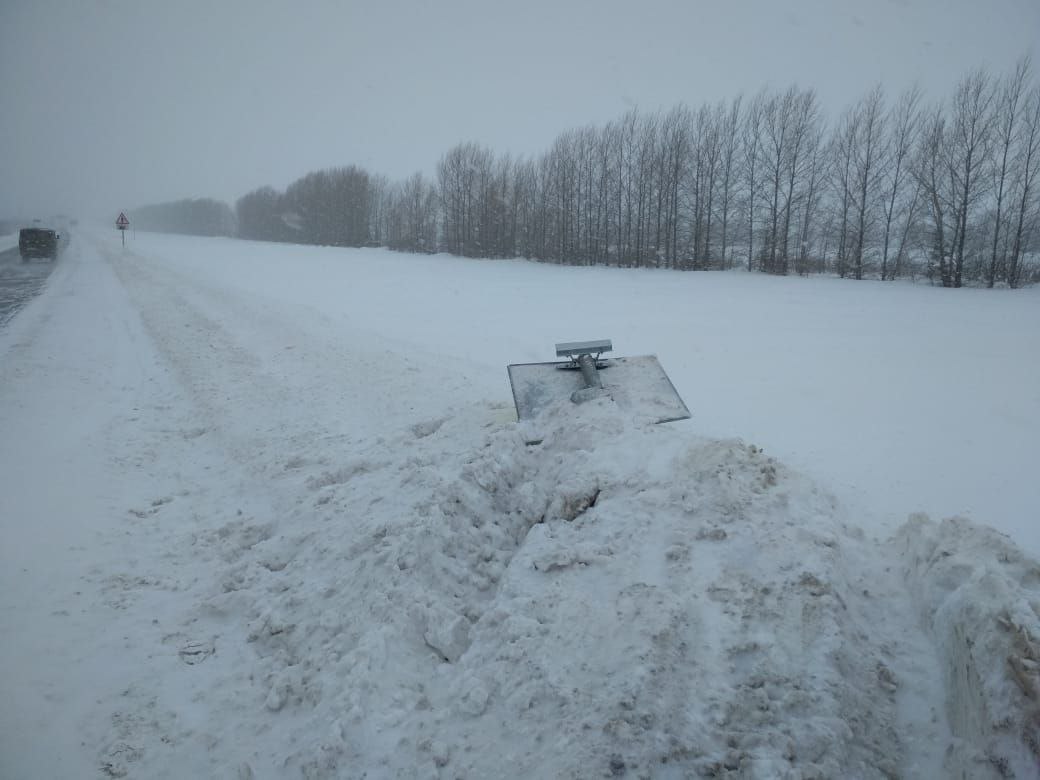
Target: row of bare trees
(332,207)
(894,187)
(193,216)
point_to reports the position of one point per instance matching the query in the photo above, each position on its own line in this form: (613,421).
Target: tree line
(193,216)
(895,187)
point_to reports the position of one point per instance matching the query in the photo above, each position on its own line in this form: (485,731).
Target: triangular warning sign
(122,221)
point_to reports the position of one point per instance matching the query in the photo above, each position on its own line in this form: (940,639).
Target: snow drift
(619,600)
(980,597)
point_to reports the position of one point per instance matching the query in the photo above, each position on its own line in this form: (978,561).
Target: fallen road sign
(636,384)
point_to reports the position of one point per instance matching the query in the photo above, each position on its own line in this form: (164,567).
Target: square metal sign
(636,384)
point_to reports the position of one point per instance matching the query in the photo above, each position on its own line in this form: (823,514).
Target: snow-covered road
(266,512)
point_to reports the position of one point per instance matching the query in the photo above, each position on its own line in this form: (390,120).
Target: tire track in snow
(246,357)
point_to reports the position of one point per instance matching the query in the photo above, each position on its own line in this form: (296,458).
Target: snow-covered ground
(267,512)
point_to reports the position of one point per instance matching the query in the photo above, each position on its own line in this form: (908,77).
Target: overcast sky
(111,104)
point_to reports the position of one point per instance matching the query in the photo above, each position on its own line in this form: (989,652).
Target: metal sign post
(122,223)
(580,353)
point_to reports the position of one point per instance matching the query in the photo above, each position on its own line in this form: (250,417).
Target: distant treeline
(337,207)
(197,217)
(895,188)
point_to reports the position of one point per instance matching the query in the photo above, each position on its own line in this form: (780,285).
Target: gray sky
(111,104)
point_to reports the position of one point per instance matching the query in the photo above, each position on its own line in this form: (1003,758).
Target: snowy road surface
(266,512)
(19,280)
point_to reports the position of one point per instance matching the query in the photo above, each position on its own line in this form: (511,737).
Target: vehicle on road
(38,242)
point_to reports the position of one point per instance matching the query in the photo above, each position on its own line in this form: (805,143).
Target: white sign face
(122,222)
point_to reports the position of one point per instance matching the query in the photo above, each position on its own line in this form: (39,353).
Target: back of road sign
(636,384)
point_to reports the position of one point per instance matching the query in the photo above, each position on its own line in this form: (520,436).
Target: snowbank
(619,600)
(980,597)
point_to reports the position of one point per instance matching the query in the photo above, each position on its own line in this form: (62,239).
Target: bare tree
(867,159)
(789,123)
(709,153)
(900,187)
(932,172)
(805,134)
(842,155)
(420,208)
(645,153)
(465,179)
(1009,102)
(811,200)
(777,118)
(260,215)
(675,152)
(626,167)
(588,230)
(334,206)
(729,131)
(1027,205)
(751,158)
(453,180)
(967,148)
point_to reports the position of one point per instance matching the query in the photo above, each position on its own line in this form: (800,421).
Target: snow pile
(980,596)
(617,600)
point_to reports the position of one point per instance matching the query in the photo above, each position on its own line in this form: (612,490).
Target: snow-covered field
(267,512)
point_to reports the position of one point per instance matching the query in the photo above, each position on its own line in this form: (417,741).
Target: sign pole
(122,223)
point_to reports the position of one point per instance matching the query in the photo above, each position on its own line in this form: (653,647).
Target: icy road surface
(20,280)
(266,512)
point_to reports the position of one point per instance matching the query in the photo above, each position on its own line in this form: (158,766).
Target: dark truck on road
(38,242)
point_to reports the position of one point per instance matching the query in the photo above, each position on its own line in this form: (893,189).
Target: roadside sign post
(122,223)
